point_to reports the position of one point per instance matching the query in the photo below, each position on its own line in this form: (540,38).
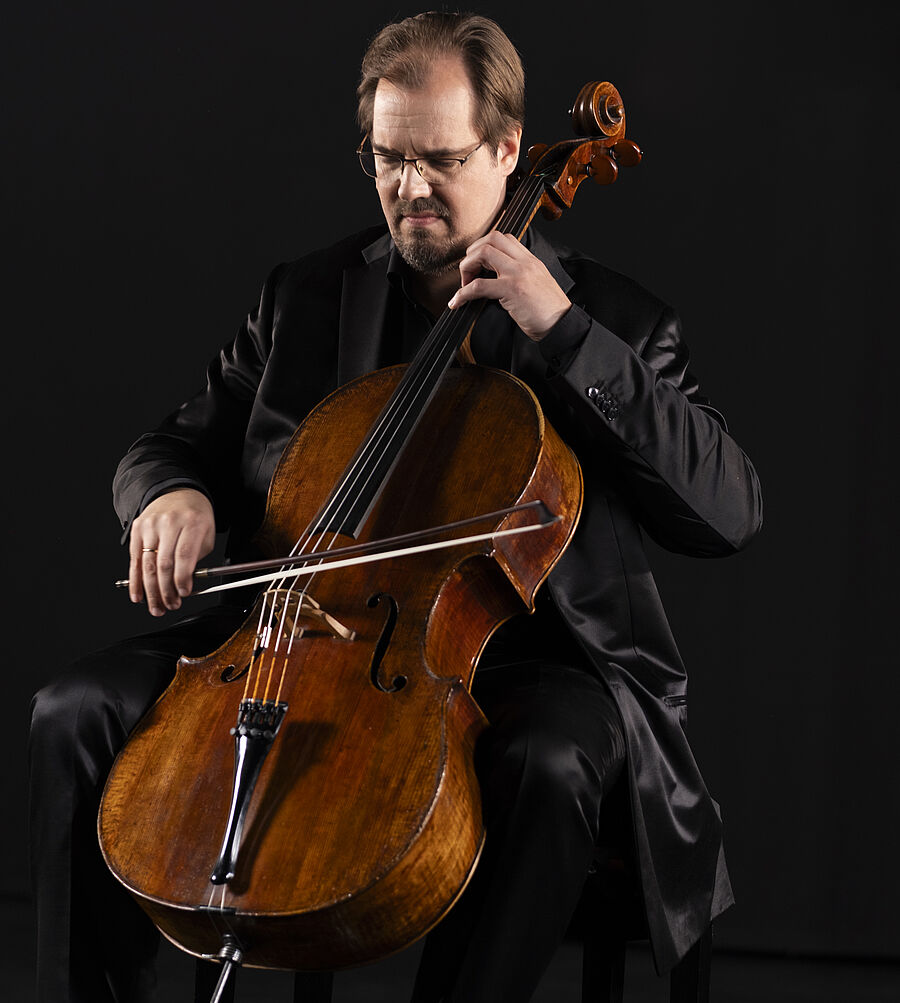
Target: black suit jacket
(655,457)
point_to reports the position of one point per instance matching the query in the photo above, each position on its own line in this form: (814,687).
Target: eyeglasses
(388,168)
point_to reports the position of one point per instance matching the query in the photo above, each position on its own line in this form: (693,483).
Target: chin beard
(428,258)
(419,250)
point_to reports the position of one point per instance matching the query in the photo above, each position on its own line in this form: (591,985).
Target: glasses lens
(367,162)
(436,172)
(384,167)
(379,165)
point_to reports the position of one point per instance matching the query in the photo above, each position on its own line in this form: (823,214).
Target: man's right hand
(167,539)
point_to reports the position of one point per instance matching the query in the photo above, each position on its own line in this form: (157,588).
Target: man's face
(432,225)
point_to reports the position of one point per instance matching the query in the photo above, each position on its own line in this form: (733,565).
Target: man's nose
(412,184)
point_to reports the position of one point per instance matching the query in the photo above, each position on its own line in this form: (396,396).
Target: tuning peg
(536,152)
(627,152)
(602,168)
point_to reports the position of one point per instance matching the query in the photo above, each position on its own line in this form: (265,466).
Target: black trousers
(552,755)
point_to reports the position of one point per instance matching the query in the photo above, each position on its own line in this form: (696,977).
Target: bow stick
(362,553)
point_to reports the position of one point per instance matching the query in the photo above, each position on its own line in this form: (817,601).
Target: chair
(611,914)
(603,972)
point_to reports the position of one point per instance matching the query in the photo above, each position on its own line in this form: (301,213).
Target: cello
(305,796)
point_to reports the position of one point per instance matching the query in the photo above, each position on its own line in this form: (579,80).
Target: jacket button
(605,402)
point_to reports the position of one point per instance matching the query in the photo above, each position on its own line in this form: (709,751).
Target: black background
(161,158)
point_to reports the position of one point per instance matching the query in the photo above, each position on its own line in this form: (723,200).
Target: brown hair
(402,54)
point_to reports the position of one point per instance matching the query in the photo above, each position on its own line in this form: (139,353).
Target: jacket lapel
(364,298)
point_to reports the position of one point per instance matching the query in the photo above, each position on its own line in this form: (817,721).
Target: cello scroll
(598,115)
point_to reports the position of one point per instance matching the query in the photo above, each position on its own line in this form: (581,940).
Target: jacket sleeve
(200,444)
(639,411)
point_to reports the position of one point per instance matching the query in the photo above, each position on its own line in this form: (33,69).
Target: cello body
(364,825)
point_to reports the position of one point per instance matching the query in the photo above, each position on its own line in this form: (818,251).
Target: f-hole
(398,682)
(232,672)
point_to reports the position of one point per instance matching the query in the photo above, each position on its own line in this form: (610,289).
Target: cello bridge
(297,612)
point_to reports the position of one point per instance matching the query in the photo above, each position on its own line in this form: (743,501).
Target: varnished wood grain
(365,824)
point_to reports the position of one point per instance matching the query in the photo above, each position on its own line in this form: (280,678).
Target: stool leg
(602,967)
(689,981)
(206,976)
(313,987)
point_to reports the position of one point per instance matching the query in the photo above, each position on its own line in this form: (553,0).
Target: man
(587,696)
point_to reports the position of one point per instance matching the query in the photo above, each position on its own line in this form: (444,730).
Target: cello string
(257,642)
(268,630)
(421,368)
(442,345)
(290,647)
(428,366)
(444,334)
(358,474)
(443,341)
(382,433)
(439,347)
(285,627)
(263,633)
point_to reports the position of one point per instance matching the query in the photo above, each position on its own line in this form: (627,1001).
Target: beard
(423,252)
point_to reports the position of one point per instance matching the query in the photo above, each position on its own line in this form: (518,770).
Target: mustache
(430,205)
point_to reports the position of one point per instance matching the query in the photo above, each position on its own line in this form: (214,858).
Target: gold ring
(148,550)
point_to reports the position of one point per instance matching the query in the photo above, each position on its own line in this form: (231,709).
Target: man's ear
(508,152)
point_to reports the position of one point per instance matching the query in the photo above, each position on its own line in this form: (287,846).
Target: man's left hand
(521,284)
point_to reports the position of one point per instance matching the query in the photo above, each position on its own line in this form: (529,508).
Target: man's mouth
(421,212)
(421,219)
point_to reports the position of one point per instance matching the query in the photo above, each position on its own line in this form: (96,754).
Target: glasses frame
(415,161)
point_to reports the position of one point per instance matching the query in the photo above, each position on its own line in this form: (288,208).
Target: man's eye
(442,166)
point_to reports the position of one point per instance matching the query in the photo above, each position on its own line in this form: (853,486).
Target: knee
(51,711)
(73,720)
(545,772)
(62,705)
